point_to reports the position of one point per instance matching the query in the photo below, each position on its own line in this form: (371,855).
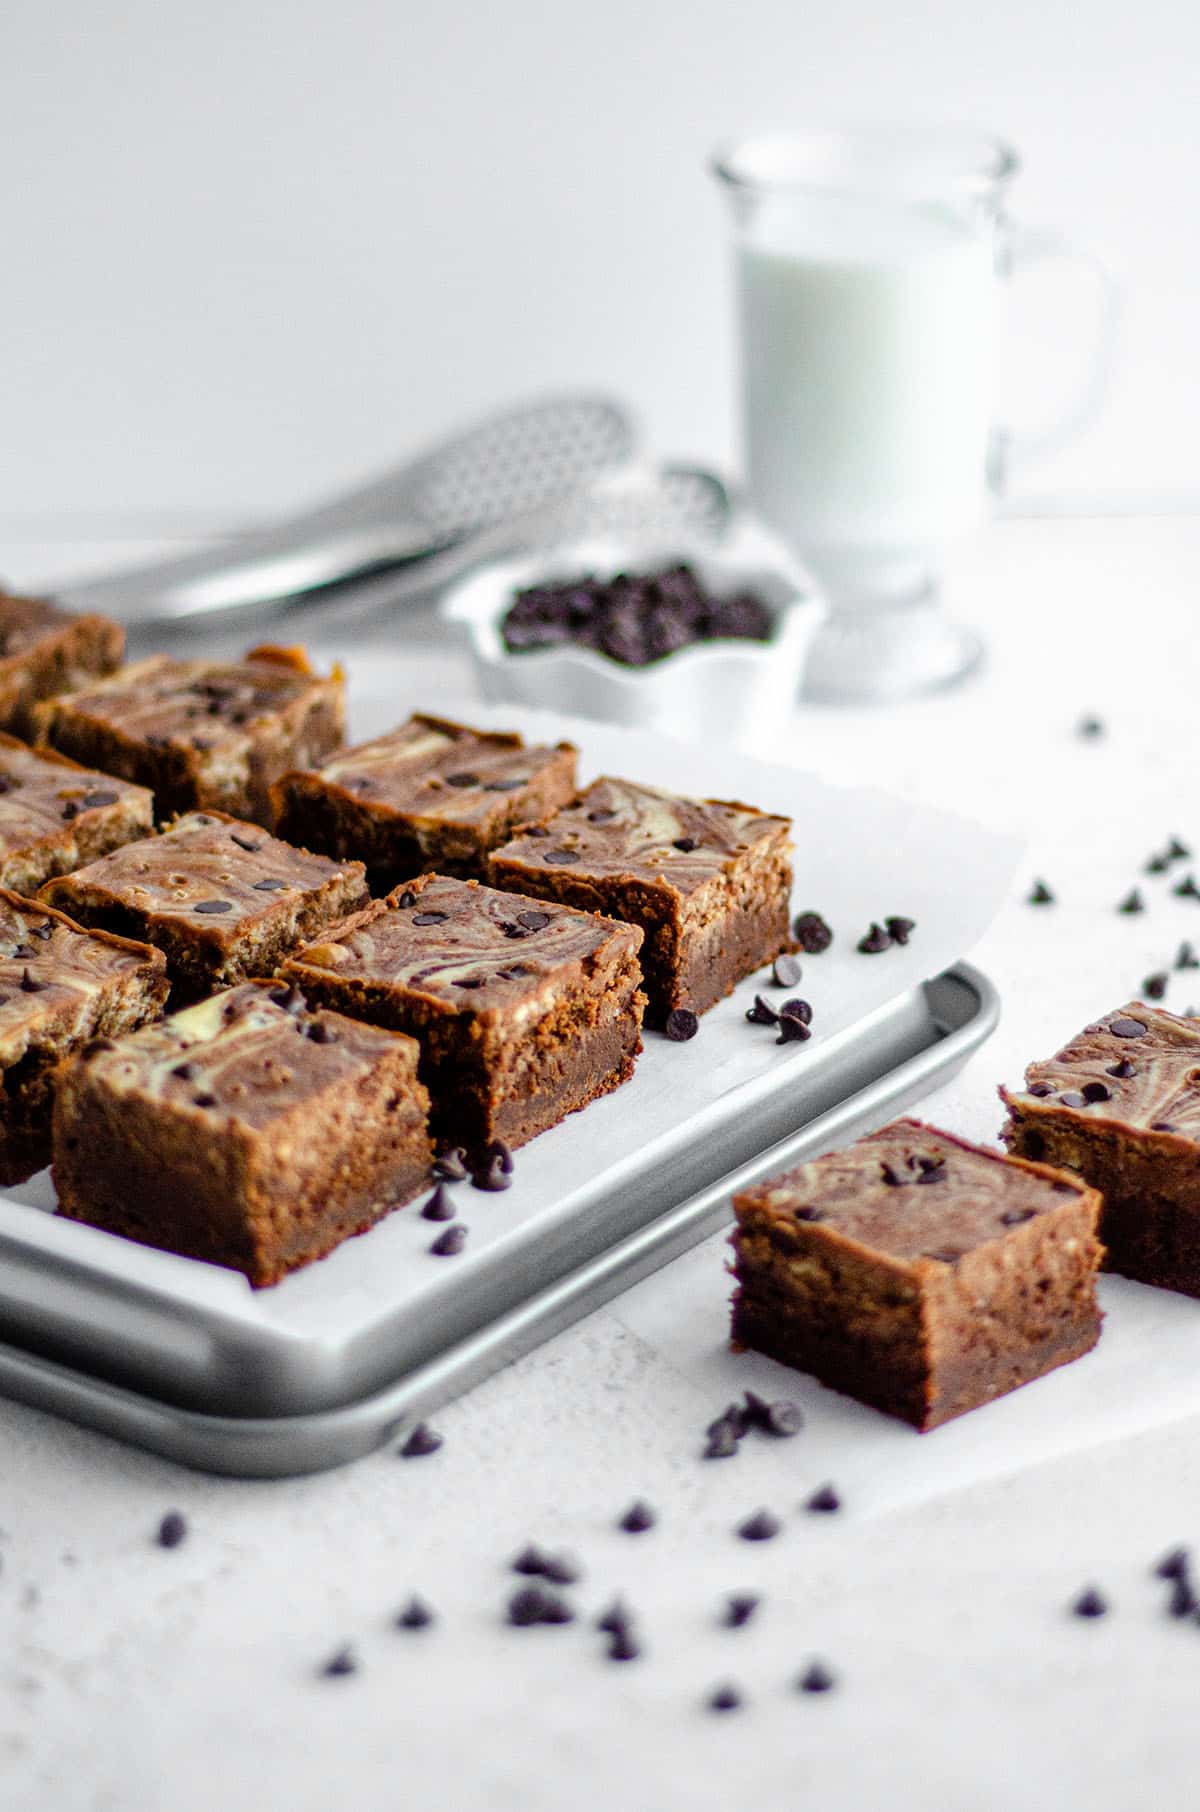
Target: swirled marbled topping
(46,962)
(200,705)
(467,946)
(1139,1066)
(208,870)
(436,770)
(913,1192)
(41,791)
(618,827)
(250,1054)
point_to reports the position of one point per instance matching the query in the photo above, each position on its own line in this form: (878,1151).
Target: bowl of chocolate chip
(696,644)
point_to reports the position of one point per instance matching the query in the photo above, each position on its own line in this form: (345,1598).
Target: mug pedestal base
(889,651)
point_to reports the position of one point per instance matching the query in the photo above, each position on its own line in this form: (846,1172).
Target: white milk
(867,340)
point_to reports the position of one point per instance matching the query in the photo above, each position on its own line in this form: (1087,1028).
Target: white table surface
(136,1678)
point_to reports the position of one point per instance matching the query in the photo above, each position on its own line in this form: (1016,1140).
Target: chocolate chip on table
(416,1615)
(817,1677)
(723,1437)
(724,1698)
(824,1501)
(1175,1564)
(422,1441)
(342,1662)
(762,1013)
(1090,1603)
(623,1647)
(792,1029)
(681,1025)
(430,918)
(1016,1217)
(1177,851)
(439,1207)
(874,941)
(450,1243)
(1186,958)
(1157,865)
(1133,902)
(785,971)
(533,1604)
(172,1530)
(1124,1027)
(213,906)
(1089,728)
(1155,986)
(796,1009)
(782,1417)
(811,933)
(1183,1601)
(638,1518)
(1039,895)
(492,1175)
(1186,889)
(761,1526)
(537,1565)
(615,1619)
(899,930)
(738,1609)
(450,1166)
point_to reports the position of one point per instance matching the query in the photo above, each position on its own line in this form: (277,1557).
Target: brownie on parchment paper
(245,1130)
(44,651)
(222,899)
(525,1011)
(708,880)
(59,987)
(917,1272)
(203,733)
(1120,1106)
(55,815)
(430,795)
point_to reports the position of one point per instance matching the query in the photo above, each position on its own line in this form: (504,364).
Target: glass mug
(869,312)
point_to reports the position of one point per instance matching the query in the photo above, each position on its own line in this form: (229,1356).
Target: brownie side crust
(707,880)
(524,1012)
(44,651)
(59,987)
(1120,1107)
(246,1131)
(55,816)
(919,1273)
(222,898)
(430,795)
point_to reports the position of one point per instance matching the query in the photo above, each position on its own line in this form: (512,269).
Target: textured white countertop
(131,1677)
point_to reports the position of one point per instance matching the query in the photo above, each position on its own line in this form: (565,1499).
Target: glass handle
(1012,451)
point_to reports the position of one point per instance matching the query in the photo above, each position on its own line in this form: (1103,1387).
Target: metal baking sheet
(918,1043)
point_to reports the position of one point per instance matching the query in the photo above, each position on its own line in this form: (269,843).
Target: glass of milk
(867,276)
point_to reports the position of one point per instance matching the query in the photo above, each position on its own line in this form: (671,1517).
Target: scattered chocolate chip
(1186,958)
(623,1647)
(187,1072)
(1133,902)
(1183,1601)
(1096,1091)
(1072,1098)
(1186,889)
(1157,865)
(874,941)
(1155,986)
(211,906)
(808,1213)
(681,1025)
(781,1418)
(439,1207)
(1122,1027)
(30,986)
(44,931)
(1039,1089)
(1040,895)
(558,858)
(811,933)
(1090,1603)
(430,918)
(888,1176)
(342,1662)
(537,1565)
(450,1243)
(797,1009)
(1162,1126)
(638,1518)
(1177,851)
(533,1604)
(416,1615)
(271,884)
(785,971)
(738,1609)
(462,779)
(422,1441)
(761,1526)
(70,811)
(320,1032)
(541,830)
(204,1100)
(247,843)
(1124,1069)
(1089,728)
(724,1698)
(762,1013)
(505,786)
(932,1171)
(792,1029)
(817,1677)
(450,1167)
(615,1619)
(723,1438)
(824,1502)
(686,844)
(492,1176)
(407,898)
(602,815)
(1015,1217)
(172,1530)
(1175,1564)
(899,930)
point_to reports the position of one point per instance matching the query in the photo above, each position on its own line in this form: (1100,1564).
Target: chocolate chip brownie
(55,815)
(45,651)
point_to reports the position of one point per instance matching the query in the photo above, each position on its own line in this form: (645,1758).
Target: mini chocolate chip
(808,1213)
(204,1100)
(246,843)
(1174,1565)
(492,1176)
(1155,986)
(450,1243)
(723,1437)
(874,941)
(422,1441)
(430,918)
(1124,1069)
(30,986)
(724,1698)
(824,1501)
(502,1155)
(558,857)
(1013,1217)
(738,1609)
(900,930)
(540,830)
(1040,895)
(686,844)
(213,906)
(1162,1126)
(1183,1601)
(320,1032)
(505,786)
(785,971)
(681,1025)
(533,1604)
(344,1661)
(462,779)
(187,1072)
(559,1570)
(888,1176)
(792,1029)
(1186,889)
(623,1647)
(1122,1027)
(172,1530)
(530,1561)
(1096,1091)
(533,921)
(1090,1603)
(289,998)
(615,1620)
(817,1678)
(1177,851)
(1186,958)
(1072,1098)
(796,1009)
(811,933)
(932,1173)
(638,1518)
(1039,1089)
(761,1526)
(470,981)
(761,1013)
(22,950)
(1133,902)
(511,930)
(450,1166)
(439,1207)
(1157,865)
(783,1419)
(602,815)
(947,1255)
(407,898)
(271,884)
(1089,728)
(416,1615)
(99,796)
(44,931)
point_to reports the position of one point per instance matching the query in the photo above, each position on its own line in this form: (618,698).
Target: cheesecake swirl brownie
(203,733)
(45,651)
(55,815)
(221,898)
(917,1272)
(430,795)
(59,987)
(1120,1106)
(525,1012)
(708,881)
(245,1130)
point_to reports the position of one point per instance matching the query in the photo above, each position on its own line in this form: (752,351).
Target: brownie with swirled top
(708,881)
(44,651)
(1120,1106)
(245,1130)
(431,795)
(525,1011)
(917,1272)
(55,815)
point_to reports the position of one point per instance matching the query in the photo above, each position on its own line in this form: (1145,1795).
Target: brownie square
(708,880)
(55,815)
(430,795)
(59,987)
(45,651)
(245,1130)
(525,1012)
(222,899)
(203,733)
(919,1273)
(1120,1106)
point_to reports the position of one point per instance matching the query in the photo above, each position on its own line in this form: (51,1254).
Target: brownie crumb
(811,933)
(1040,895)
(738,1609)
(422,1441)
(817,1677)
(439,1207)
(785,972)
(342,1662)
(1090,1603)
(824,1501)
(724,1698)
(1133,902)
(416,1615)
(638,1518)
(172,1530)
(681,1025)
(762,1526)
(874,941)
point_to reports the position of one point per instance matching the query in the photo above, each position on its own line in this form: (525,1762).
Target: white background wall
(249,248)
